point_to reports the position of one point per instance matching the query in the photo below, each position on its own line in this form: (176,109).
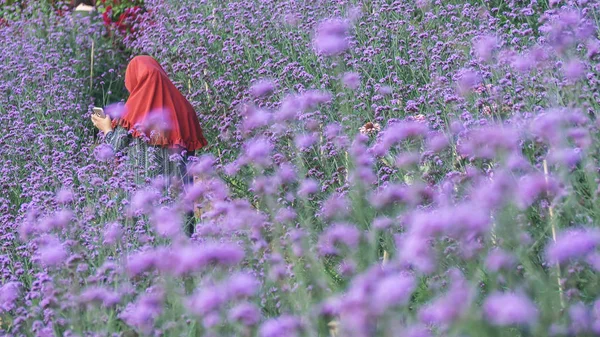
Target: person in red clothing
(158,128)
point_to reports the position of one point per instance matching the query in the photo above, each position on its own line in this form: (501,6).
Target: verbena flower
(9,294)
(284,325)
(509,309)
(339,233)
(247,314)
(484,46)
(262,87)
(112,233)
(499,259)
(573,244)
(393,290)
(103,296)
(351,80)
(331,37)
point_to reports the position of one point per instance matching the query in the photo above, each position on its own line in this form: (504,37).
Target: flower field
(375,168)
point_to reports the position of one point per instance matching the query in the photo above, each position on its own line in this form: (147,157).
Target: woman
(159,126)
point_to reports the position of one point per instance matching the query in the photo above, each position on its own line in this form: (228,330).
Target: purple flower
(143,313)
(256,118)
(523,63)
(308,187)
(206,300)
(52,252)
(312,98)
(393,290)
(112,233)
(451,306)
(204,166)
(191,258)
(509,309)
(416,331)
(581,319)
(64,196)
(351,80)
(467,80)
(484,46)
(573,244)
(385,90)
(339,233)
(9,293)
(258,151)
(140,262)
(498,259)
(593,48)
(331,37)
(291,106)
(415,250)
(291,19)
(167,222)
(246,313)
(105,297)
(262,88)
(285,325)
(335,206)
(305,141)
(241,285)
(574,70)
(142,200)
(115,110)
(104,152)
(533,186)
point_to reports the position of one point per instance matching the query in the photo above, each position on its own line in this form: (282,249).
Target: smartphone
(99,112)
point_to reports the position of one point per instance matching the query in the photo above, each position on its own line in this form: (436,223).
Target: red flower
(106,16)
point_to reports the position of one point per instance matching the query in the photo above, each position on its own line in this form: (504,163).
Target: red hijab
(156,108)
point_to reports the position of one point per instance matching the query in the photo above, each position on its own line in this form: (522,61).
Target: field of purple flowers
(375,168)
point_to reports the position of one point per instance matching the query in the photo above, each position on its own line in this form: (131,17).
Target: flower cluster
(467,205)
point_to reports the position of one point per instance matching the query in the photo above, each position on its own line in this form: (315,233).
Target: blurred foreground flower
(331,37)
(509,309)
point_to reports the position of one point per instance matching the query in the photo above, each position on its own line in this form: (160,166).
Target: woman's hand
(103,124)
